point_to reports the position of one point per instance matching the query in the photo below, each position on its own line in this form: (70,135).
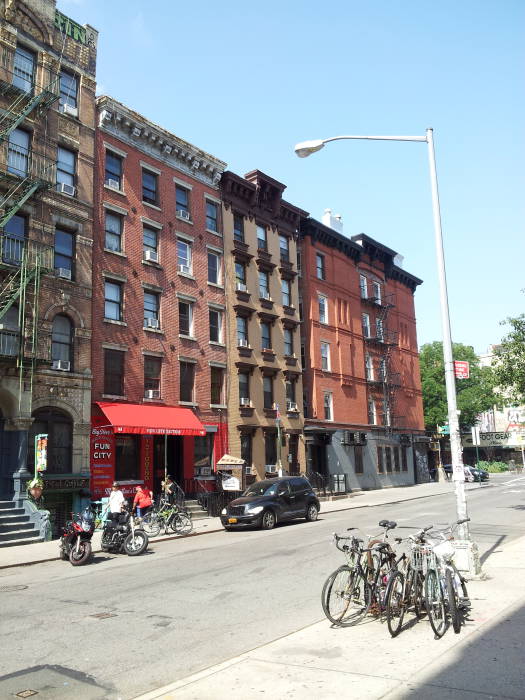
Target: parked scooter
(75,543)
(124,536)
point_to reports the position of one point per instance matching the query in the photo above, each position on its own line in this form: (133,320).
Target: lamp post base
(467,559)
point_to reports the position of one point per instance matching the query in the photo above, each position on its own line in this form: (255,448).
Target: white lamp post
(305,149)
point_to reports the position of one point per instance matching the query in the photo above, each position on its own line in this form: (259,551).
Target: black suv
(267,502)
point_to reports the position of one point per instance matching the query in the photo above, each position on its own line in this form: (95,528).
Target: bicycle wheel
(347,598)
(395,603)
(435,603)
(452,602)
(180,524)
(416,594)
(151,524)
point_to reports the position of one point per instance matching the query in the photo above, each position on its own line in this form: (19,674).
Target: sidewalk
(365,663)
(23,555)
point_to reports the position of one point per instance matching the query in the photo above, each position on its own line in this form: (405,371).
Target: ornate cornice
(137,131)
(327,236)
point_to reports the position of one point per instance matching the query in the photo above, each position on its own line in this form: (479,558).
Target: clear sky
(246,81)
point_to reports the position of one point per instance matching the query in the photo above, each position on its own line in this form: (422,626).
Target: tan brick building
(47,92)
(265,387)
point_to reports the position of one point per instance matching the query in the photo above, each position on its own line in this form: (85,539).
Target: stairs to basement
(195,508)
(15,526)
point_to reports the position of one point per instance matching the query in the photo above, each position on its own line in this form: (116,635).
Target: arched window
(58,426)
(62,343)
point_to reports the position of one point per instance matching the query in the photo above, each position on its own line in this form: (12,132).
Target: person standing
(143,500)
(116,499)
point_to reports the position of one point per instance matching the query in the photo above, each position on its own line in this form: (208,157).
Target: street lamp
(305,149)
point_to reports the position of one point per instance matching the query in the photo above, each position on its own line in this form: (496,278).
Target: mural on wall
(421,458)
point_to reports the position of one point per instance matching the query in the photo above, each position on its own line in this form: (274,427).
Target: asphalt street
(121,626)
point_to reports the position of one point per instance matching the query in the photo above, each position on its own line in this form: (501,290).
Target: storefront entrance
(168,458)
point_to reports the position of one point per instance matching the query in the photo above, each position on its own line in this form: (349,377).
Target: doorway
(171,446)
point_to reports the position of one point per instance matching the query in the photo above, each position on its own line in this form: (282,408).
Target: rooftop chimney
(334,221)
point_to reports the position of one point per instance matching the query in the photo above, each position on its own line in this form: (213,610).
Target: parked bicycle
(167,517)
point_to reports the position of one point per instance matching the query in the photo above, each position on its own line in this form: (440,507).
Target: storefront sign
(147,460)
(73,30)
(230,483)
(504,439)
(66,484)
(102,461)
(41,452)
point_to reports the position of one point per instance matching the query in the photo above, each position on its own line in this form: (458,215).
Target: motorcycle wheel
(136,544)
(83,554)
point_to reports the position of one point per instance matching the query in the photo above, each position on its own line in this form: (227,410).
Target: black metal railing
(329,484)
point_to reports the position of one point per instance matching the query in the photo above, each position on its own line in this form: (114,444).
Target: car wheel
(267,520)
(311,512)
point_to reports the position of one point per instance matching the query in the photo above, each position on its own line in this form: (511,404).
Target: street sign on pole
(461,369)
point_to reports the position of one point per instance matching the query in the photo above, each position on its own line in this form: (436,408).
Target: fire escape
(384,379)
(25,172)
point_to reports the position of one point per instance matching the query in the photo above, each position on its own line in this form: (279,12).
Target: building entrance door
(171,447)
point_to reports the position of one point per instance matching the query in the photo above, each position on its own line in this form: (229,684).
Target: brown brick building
(362,389)
(47,94)
(160,342)
(262,297)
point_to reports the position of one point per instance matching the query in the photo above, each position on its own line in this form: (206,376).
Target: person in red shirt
(142,501)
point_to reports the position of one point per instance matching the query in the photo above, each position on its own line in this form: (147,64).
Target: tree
(474,395)
(509,368)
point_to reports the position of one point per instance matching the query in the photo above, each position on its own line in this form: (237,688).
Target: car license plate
(232,520)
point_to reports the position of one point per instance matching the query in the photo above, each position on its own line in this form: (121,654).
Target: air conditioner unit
(151,256)
(291,406)
(114,184)
(348,438)
(62,365)
(183,214)
(360,438)
(152,394)
(242,343)
(66,188)
(270,467)
(63,272)
(241,287)
(184,268)
(151,323)
(245,402)
(69,109)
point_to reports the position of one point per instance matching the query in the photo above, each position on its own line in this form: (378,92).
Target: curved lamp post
(305,149)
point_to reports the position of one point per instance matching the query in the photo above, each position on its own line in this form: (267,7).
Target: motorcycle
(75,543)
(124,536)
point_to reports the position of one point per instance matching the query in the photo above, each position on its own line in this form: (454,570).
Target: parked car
(271,501)
(471,473)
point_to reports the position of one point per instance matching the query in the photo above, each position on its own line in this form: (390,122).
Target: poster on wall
(102,461)
(41,452)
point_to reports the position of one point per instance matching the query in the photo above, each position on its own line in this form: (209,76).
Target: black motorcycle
(75,543)
(124,536)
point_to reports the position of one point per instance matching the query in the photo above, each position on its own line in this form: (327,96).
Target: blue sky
(247,81)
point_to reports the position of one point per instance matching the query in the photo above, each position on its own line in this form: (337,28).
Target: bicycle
(100,513)
(168,517)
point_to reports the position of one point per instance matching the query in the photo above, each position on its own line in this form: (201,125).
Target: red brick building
(159,346)
(363,405)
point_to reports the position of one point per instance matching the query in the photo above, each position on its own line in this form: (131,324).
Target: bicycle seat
(383,523)
(382,546)
(391,524)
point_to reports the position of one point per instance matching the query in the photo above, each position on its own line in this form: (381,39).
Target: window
(113,301)
(246,451)
(68,90)
(363,288)
(376,287)
(396,459)
(114,372)
(286,292)
(66,169)
(214,268)
(13,240)
(379,329)
(262,239)
(242,331)
(268,391)
(113,239)
(182,203)
(270,450)
(323,309)
(266,336)
(382,369)
(151,310)
(203,454)
(380,463)
(284,248)
(240,276)
(358,459)
(264,285)
(244,385)
(59,429)
(184,257)
(386,413)
(325,356)
(365,322)
(212,217)
(290,390)
(288,342)
(404,460)
(238,227)
(319,265)
(187,379)
(372,415)
(64,250)
(23,69)
(217,380)
(328,407)
(18,152)
(186,318)
(369,368)
(113,174)
(215,326)
(150,244)
(127,457)
(149,187)
(388,456)
(152,371)
(62,339)
(299,263)
(10,333)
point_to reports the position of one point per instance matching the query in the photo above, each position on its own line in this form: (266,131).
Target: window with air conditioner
(184,257)
(270,451)
(182,202)
(66,171)
(62,343)
(151,256)
(68,93)
(266,336)
(242,332)
(150,243)
(64,253)
(152,372)
(151,310)
(244,401)
(244,388)
(152,394)
(63,273)
(113,171)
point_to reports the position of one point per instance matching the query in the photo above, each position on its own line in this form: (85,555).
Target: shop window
(270,451)
(203,454)
(127,454)
(58,426)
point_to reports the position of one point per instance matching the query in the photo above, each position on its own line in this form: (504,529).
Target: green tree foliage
(474,395)
(509,370)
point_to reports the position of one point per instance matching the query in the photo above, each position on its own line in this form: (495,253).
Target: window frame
(365,325)
(284,250)
(238,227)
(320,269)
(218,270)
(64,96)
(268,392)
(266,335)
(220,371)
(286,293)
(120,287)
(107,231)
(111,373)
(288,342)
(218,325)
(66,176)
(189,256)
(152,379)
(184,203)
(190,317)
(363,286)
(27,83)
(151,310)
(323,307)
(117,176)
(153,200)
(213,219)
(325,356)
(189,368)
(67,261)
(57,344)
(263,239)
(328,408)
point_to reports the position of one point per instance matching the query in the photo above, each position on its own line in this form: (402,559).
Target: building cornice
(327,236)
(135,130)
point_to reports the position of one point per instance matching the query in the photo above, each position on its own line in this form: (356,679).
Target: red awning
(151,420)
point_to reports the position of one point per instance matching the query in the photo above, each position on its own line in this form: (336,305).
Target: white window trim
(212,199)
(151,222)
(186,297)
(185,237)
(216,307)
(151,168)
(114,149)
(323,296)
(114,208)
(329,360)
(215,249)
(331,404)
(182,183)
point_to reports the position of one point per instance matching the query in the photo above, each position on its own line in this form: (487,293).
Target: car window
(262,488)
(298,485)
(284,488)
